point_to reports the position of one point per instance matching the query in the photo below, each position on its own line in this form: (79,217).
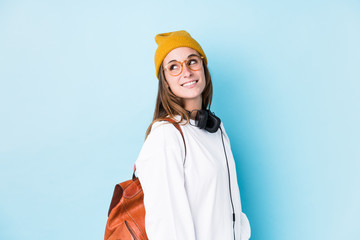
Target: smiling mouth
(189,83)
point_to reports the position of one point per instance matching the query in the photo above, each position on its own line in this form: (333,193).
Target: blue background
(78,88)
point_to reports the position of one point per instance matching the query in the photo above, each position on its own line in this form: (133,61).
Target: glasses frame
(181,64)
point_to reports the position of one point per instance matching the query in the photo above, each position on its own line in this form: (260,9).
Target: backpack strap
(178,128)
(182,135)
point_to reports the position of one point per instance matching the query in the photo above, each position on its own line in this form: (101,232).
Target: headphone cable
(227,164)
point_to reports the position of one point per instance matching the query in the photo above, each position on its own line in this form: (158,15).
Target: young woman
(189,184)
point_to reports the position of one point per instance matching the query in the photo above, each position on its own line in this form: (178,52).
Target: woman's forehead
(179,53)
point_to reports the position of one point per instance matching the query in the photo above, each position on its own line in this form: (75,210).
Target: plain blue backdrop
(78,88)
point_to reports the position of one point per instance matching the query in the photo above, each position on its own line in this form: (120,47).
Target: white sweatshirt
(189,201)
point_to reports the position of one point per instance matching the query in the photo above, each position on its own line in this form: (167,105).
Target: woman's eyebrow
(191,55)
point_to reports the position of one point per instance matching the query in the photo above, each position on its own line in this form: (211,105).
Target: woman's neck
(193,104)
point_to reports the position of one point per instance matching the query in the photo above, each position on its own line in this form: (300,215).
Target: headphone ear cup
(201,119)
(213,123)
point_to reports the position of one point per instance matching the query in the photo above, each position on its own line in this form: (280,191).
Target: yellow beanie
(168,41)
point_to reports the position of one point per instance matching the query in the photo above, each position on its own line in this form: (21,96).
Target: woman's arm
(161,173)
(243,229)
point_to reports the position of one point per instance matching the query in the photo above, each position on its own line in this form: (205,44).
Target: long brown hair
(168,104)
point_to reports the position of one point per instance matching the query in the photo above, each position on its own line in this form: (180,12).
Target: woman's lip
(189,82)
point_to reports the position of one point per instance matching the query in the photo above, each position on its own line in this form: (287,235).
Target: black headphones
(207,120)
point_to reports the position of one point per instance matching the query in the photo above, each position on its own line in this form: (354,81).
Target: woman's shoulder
(163,137)
(165,131)
(222,126)
(162,126)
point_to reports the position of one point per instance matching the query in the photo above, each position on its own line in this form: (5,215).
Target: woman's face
(189,84)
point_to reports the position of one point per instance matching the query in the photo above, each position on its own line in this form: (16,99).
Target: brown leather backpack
(126,216)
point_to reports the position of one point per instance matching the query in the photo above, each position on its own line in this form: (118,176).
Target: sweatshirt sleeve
(161,173)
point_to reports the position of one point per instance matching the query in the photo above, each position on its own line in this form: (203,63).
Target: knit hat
(168,41)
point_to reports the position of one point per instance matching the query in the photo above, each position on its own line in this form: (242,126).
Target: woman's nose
(186,70)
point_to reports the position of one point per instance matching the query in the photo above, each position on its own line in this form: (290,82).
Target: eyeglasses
(193,63)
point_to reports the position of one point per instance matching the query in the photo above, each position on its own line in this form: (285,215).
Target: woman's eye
(173,67)
(192,61)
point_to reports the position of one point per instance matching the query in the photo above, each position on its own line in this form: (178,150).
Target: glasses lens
(174,68)
(194,63)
